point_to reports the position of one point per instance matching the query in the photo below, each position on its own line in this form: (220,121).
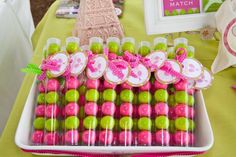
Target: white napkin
(226,25)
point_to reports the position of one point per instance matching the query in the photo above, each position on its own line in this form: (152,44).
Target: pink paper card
(180,7)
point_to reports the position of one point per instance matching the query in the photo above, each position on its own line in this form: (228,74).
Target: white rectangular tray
(204,136)
(156,23)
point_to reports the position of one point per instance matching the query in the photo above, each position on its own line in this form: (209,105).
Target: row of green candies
(48,109)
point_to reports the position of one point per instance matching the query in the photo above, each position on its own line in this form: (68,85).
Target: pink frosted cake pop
(162,137)
(181,85)
(108,108)
(51,138)
(72,83)
(91,108)
(181,138)
(106,137)
(161,109)
(71,137)
(37,137)
(159,85)
(126,86)
(144,110)
(92,84)
(53,85)
(40,110)
(52,111)
(125,138)
(89,137)
(146,87)
(109,85)
(126,109)
(145,138)
(41,87)
(72,109)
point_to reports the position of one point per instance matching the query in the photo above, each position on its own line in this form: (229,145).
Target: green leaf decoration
(32,68)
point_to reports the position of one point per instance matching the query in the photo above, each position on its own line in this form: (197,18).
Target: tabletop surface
(219,98)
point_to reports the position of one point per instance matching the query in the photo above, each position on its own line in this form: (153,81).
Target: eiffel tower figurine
(97,18)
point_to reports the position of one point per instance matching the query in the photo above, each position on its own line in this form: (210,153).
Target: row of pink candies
(47,112)
(182,114)
(71,112)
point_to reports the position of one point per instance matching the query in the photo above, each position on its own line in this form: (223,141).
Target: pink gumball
(145,138)
(41,87)
(72,109)
(72,83)
(162,137)
(161,109)
(125,138)
(91,108)
(51,138)
(53,85)
(192,139)
(146,87)
(40,110)
(159,85)
(191,112)
(52,111)
(37,137)
(172,114)
(108,85)
(71,137)
(126,109)
(89,137)
(181,138)
(181,85)
(126,86)
(108,108)
(92,84)
(63,112)
(144,110)
(82,100)
(106,137)
(182,110)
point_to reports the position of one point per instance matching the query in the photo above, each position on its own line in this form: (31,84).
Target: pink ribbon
(67,72)
(116,68)
(168,69)
(182,56)
(48,64)
(90,61)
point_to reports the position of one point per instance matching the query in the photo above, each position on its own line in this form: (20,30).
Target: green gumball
(160,47)
(90,122)
(171,55)
(41,98)
(128,46)
(53,48)
(190,11)
(181,97)
(51,124)
(39,123)
(145,97)
(52,97)
(191,100)
(135,100)
(126,123)
(126,95)
(180,45)
(175,12)
(171,100)
(191,125)
(182,124)
(167,13)
(72,95)
(162,122)
(82,90)
(144,123)
(109,95)
(72,122)
(72,47)
(172,126)
(96,48)
(144,50)
(92,95)
(182,12)
(107,122)
(161,95)
(113,47)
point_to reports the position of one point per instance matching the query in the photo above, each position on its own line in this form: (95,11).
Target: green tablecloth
(220,99)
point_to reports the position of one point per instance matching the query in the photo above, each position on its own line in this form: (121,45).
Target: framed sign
(169,16)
